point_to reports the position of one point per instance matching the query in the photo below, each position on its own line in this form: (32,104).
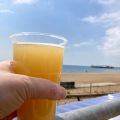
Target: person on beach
(15,89)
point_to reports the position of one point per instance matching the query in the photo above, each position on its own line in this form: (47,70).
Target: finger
(6,66)
(42,88)
(30,87)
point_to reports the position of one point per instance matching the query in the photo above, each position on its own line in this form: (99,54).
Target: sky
(92,27)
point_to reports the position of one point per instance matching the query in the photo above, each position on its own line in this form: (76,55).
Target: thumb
(42,88)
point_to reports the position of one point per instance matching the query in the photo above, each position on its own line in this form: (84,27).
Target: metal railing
(102,111)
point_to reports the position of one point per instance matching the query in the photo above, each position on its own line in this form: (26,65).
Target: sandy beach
(102,83)
(113,77)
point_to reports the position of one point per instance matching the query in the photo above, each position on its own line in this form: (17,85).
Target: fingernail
(61,93)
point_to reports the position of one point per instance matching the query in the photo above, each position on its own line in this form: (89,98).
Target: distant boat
(102,66)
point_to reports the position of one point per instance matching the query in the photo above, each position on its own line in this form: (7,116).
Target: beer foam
(36,43)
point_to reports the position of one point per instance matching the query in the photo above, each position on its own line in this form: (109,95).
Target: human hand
(15,89)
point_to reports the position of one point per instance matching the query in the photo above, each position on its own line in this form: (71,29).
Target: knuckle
(25,77)
(53,91)
(26,87)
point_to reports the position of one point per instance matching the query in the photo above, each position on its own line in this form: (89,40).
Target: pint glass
(38,55)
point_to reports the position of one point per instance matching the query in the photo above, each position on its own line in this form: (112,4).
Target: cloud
(82,44)
(90,19)
(107,19)
(111,44)
(7,11)
(23,1)
(105,2)
(110,20)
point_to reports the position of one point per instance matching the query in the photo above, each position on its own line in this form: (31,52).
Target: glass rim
(13,37)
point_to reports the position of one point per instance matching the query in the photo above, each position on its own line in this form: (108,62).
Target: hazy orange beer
(43,60)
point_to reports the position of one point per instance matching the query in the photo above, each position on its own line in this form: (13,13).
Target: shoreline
(90,72)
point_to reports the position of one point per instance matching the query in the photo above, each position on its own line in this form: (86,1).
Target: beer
(43,61)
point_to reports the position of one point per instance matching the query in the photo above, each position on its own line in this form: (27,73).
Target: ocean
(82,69)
